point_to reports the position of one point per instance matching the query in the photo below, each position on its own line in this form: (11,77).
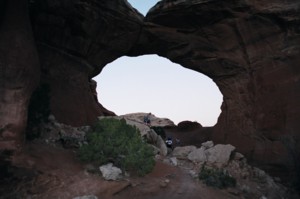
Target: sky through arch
(143,6)
(154,84)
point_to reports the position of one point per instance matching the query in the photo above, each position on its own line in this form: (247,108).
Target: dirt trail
(53,172)
(181,185)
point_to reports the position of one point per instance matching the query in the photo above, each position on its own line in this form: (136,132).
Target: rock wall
(19,72)
(249,48)
(76,39)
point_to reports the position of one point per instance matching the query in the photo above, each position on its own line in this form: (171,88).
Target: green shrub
(112,140)
(216,178)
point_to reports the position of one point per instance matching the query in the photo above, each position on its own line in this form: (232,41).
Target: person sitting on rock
(169,143)
(147,119)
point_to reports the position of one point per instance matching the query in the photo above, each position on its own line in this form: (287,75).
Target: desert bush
(216,178)
(112,140)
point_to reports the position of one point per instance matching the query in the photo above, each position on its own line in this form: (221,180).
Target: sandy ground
(44,172)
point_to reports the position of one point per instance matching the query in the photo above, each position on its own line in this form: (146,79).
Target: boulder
(238,156)
(157,141)
(109,172)
(198,155)
(207,144)
(219,155)
(183,152)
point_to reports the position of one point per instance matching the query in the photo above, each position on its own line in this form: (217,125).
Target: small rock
(233,191)
(260,175)
(238,156)
(51,118)
(158,157)
(164,183)
(173,161)
(109,172)
(207,144)
(193,174)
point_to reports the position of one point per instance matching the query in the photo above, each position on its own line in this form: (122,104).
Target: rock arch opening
(154,84)
(142,6)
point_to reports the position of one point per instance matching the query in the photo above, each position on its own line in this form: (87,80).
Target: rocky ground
(48,168)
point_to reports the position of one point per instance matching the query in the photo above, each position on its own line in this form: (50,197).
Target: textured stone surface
(19,71)
(219,155)
(76,39)
(183,152)
(109,172)
(207,144)
(198,155)
(155,121)
(249,48)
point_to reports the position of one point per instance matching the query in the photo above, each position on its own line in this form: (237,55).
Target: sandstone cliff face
(249,48)
(19,71)
(76,39)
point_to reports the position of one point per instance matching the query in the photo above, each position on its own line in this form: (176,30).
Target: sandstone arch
(249,48)
(243,48)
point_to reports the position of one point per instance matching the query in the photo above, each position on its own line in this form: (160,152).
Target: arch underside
(250,50)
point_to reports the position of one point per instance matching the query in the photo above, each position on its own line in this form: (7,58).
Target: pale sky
(154,84)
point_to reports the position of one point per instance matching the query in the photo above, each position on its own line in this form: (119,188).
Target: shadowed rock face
(19,71)
(249,48)
(76,39)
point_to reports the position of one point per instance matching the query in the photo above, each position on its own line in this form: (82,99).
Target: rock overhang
(249,48)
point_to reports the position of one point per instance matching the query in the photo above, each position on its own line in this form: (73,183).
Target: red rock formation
(19,71)
(251,51)
(249,48)
(76,40)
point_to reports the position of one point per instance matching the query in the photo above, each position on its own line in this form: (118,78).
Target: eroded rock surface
(19,72)
(249,48)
